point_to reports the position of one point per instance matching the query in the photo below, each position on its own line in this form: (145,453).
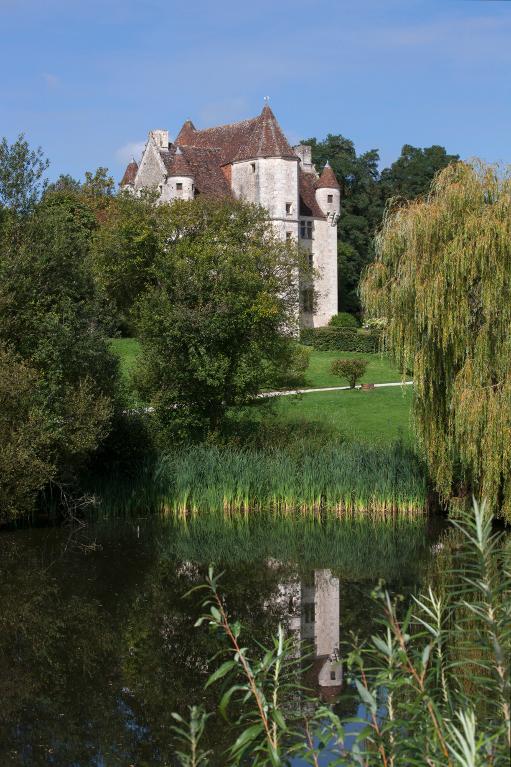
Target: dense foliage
(443,281)
(341,339)
(433,684)
(344,320)
(52,336)
(211,323)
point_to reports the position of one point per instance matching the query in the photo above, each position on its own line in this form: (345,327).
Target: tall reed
(341,479)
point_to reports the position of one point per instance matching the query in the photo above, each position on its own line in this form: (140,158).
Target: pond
(97,639)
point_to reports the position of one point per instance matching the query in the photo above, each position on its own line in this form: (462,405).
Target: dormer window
(330,198)
(288,208)
(252,167)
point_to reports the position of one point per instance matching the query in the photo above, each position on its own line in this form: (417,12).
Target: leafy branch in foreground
(434,684)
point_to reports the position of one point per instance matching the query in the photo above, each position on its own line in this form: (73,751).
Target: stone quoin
(252,160)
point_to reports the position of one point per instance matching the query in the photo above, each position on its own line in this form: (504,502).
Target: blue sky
(87,79)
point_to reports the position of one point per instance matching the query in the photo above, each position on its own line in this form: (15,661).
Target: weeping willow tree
(442,278)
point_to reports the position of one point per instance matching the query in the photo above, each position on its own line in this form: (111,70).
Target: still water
(97,639)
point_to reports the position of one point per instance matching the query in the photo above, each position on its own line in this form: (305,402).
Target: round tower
(328,194)
(180,183)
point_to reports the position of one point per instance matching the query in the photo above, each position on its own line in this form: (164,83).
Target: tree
(215,318)
(21,175)
(442,279)
(25,436)
(49,318)
(361,209)
(123,253)
(351,369)
(412,173)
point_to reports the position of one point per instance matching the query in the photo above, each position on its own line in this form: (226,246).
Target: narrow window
(306,230)
(179,186)
(289,235)
(330,198)
(332,676)
(309,611)
(252,165)
(307,299)
(288,208)
(311,260)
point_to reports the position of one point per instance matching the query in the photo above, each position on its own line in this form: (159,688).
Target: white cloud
(133,149)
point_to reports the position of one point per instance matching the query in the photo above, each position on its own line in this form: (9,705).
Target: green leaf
(247,737)
(366,696)
(220,672)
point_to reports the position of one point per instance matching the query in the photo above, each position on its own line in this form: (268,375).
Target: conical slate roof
(129,174)
(327,180)
(260,136)
(178,165)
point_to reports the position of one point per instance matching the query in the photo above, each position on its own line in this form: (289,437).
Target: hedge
(330,339)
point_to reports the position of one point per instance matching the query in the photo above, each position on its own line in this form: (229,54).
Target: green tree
(21,175)
(25,436)
(214,320)
(49,317)
(123,253)
(350,369)
(442,279)
(412,173)
(361,209)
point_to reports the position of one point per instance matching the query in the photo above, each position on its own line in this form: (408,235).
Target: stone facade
(252,160)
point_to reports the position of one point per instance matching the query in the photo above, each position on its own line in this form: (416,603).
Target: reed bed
(340,480)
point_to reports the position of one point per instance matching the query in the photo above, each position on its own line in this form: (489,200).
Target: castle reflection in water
(312,607)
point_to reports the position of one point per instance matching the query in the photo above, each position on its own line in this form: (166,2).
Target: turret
(180,181)
(128,180)
(328,194)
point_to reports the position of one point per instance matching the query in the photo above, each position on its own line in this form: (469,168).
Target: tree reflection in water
(98,645)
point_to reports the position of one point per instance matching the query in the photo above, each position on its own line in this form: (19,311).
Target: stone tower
(252,160)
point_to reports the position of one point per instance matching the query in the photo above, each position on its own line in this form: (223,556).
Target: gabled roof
(258,137)
(327,180)
(129,174)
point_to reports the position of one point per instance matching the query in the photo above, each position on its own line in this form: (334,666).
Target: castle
(253,160)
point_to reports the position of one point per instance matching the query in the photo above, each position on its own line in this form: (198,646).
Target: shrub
(343,320)
(332,339)
(352,370)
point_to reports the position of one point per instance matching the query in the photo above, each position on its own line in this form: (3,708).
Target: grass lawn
(127,349)
(379,369)
(376,416)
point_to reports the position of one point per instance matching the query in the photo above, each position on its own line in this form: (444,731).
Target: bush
(332,339)
(352,370)
(344,320)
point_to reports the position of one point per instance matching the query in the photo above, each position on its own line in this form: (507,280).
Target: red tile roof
(258,137)
(178,165)
(129,174)
(327,180)
(307,187)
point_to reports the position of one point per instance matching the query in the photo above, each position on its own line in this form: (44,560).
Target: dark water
(98,645)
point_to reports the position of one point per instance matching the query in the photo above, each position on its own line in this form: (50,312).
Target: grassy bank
(341,479)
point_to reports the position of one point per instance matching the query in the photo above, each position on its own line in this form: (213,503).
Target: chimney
(161,138)
(304,152)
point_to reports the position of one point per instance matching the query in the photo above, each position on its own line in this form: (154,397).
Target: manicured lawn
(127,349)
(380,415)
(376,416)
(379,369)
